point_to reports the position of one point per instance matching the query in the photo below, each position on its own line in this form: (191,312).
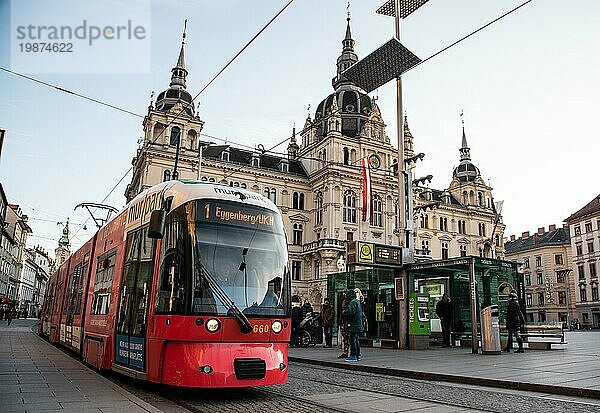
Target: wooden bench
(544,335)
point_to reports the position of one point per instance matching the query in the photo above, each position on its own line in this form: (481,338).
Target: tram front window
(230,252)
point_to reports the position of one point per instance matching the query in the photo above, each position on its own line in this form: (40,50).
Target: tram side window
(173,290)
(83,274)
(103,284)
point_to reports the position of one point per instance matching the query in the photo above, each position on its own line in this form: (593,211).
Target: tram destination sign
(369,253)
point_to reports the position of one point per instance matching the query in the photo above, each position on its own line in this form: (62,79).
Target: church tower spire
(346,59)
(179,72)
(64,246)
(465,152)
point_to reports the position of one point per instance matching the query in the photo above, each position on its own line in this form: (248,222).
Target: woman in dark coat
(514,322)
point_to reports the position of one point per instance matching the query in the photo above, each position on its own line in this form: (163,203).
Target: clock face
(374,161)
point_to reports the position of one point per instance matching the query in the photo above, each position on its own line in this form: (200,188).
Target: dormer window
(284,165)
(225,155)
(255,160)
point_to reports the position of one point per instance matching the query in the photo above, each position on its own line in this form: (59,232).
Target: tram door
(134,300)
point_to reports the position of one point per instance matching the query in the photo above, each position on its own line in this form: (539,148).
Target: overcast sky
(528,85)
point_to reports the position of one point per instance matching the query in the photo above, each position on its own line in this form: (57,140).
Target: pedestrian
(306,308)
(514,322)
(327,315)
(354,317)
(363,304)
(444,309)
(296,320)
(9,316)
(343,323)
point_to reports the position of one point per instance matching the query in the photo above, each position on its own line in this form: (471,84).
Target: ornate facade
(585,248)
(317,184)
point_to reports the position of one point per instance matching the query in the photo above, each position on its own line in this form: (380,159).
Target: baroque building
(584,226)
(545,258)
(317,184)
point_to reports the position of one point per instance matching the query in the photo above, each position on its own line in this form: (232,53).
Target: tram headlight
(213,325)
(276,326)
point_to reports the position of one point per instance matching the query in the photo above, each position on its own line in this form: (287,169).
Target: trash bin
(490,330)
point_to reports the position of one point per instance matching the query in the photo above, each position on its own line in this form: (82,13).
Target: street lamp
(384,64)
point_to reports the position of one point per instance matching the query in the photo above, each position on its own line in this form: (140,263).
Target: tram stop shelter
(473,283)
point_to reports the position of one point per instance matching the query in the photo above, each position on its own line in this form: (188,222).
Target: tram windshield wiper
(245,326)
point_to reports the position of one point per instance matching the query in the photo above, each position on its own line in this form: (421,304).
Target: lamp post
(384,64)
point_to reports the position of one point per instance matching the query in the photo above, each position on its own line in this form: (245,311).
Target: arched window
(297,234)
(225,155)
(377,211)
(175,135)
(463,250)
(443,224)
(424,221)
(444,250)
(166,175)
(319,208)
(349,213)
(298,200)
(480,198)
(425,246)
(346,156)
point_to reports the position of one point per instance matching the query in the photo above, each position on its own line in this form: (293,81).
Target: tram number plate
(260,328)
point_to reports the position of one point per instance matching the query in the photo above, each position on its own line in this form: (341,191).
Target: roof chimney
(512,237)
(525,234)
(552,227)
(536,238)
(541,231)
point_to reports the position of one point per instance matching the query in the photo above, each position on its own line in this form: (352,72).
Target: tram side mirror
(157,224)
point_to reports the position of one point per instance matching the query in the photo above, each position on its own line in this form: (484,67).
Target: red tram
(187,286)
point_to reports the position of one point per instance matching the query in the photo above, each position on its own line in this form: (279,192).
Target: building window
(540,299)
(579,249)
(175,134)
(538,261)
(588,227)
(558,259)
(480,198)
(541,316)
(297,234)
(298,200)
(528,279)
(590,247)
(317,270)
(444,250)
(540,279)
(583,294)
(562,297)
(526,262)
(424,221)
(443,224)
(350,236)
(349,213)
(481,229)
(377,213)
(319,208)
(560,277)
(562,317)
(577,230)
(593,270)
(225,156)
(594,293)
(346,156)
(462,226)
(581,271)
(529,299)
(529,317)
(296,270)
(270,193)
(463,250)
(425,246)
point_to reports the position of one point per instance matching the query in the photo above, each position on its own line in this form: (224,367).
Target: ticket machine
(419,325)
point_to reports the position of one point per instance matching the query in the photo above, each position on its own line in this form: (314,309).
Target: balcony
(329,243)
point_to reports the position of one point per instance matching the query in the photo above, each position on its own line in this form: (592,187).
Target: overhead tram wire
(418,64)
(70,92)
(202,90)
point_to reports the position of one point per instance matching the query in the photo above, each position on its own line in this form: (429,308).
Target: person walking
(343,323)
(444,309)
(354,317)
(514,322)
(327,315)
(9,315)
(296,320)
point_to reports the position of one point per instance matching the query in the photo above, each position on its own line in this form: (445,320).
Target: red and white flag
(367,212)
